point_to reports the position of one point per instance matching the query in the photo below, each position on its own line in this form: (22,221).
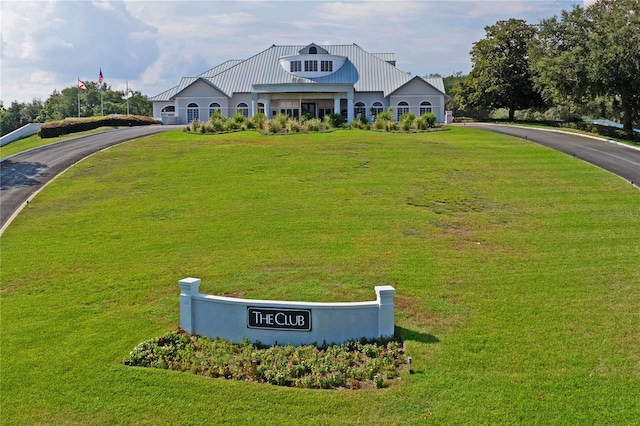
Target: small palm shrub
(386,116)
(334,120)
(385,121)
(258,121)
(407,120)
(238,117)
(429,118)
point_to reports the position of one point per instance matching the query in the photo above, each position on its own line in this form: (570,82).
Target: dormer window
(310,66)
(312,62)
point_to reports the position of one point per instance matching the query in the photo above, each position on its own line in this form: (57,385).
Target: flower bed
(352,365)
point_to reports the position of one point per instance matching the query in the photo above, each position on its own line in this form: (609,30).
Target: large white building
(299,80)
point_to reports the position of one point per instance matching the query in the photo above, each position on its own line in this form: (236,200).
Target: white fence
(22,132)
(274,322)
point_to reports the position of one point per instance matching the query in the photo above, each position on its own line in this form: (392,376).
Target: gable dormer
(312,61)
(313,49)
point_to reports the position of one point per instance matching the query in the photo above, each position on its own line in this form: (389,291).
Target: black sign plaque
(279,319)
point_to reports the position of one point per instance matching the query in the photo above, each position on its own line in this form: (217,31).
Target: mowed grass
(516,270)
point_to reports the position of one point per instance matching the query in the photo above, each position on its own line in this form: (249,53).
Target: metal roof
(187,81)
(368,72)
(387,57)
(436,82)
(220,68)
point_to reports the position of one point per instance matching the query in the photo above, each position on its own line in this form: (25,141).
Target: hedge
(54,129)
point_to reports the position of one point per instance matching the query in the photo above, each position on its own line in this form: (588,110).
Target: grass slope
(516,270)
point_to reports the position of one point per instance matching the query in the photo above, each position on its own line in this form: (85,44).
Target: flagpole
(126,95)
(78,89)
(100,79)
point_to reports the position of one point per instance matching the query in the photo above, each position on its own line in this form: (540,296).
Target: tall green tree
(500,77)
(19,114)
(451,85)
(590,53)
(60,105)
(63,104)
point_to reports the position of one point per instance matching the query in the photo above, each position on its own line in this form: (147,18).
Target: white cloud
(46,45)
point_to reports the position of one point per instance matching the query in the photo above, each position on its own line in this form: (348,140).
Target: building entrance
(309,108)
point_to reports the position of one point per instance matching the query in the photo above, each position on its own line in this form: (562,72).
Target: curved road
(24,174)
(622,160)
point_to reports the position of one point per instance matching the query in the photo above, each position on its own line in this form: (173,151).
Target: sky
(149,45)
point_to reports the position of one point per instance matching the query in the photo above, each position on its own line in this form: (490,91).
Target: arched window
(376,108)
(425,107)
(313,50)
(193,112)
(213,107)
(359,110)
(260,108)
(402,109)
(169,108)
(243,109)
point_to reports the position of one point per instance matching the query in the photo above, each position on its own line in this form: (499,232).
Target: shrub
(408,117)
(274,126)
(218,125)
(259,120)
(238,117)
(334,120)
(306,117)
(294,126)
(358,124)
(282,120)
(429,118)
(314,125)
(386,116)
(217,115)
(72,125)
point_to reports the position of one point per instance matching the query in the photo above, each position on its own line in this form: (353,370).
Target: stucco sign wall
(282,322)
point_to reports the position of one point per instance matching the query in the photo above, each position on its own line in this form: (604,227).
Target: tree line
(64,104)
(586,62)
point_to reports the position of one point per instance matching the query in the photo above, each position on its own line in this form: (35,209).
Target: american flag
(81,85)
(100,78)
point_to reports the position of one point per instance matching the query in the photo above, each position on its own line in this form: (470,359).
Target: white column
(350,106)
(386,324)
(254,105)
(189,287)
(336,102)
(267,106)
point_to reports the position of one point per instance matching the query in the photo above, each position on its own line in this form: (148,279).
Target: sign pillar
(386,325)
(189,287)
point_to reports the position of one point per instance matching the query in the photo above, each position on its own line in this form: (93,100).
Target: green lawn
(516,271)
